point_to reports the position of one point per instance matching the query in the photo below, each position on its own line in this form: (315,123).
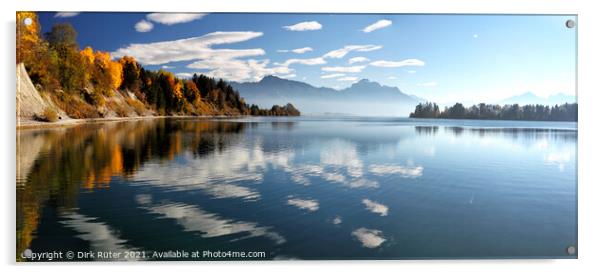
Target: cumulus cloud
(158,53)
(358,60)
(375,207)
(396,64)
(348,78)
(174,18)
(304,26)
(220,63)
(377,25)
(333,75)
(340,53)
(238,70)
(66,14)
(370,238)
(350,69)
(143,26)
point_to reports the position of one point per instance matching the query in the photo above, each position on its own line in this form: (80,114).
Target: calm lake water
(301,188)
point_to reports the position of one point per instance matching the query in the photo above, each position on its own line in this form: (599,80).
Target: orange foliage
(28,36)
(88,54)
(115,69)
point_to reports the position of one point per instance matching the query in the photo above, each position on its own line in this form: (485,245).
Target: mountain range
(528,98)
(364,97)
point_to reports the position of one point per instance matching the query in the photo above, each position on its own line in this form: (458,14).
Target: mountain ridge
(364,97)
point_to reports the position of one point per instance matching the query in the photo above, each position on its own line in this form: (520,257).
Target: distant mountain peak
(268,78)
(532,98)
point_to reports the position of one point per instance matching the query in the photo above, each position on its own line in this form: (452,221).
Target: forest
(88,83)
(564,112)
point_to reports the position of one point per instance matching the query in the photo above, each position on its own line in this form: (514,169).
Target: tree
(131,73)
(62,39)
(28,36)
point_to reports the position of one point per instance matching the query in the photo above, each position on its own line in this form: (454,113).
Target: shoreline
(25,124)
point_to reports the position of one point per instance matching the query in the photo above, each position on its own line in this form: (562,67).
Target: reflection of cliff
(56,164)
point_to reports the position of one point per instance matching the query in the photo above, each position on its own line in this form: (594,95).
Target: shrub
(49,115)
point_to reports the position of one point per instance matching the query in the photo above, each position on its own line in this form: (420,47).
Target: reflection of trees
(88,156)
(426,130)
(516,133)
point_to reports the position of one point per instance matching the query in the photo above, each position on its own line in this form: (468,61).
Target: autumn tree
(131,73)
(62,40)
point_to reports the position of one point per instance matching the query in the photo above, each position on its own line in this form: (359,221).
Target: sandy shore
(33,124)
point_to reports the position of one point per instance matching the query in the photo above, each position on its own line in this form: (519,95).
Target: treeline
(83,82)
(564,112)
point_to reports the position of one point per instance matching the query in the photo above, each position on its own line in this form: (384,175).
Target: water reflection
(193,218)
(370,238)
(101,236)
(375,207)
(239,182)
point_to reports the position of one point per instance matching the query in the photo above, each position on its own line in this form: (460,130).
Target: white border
(590,73)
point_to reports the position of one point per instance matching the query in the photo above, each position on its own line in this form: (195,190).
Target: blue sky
(442,58)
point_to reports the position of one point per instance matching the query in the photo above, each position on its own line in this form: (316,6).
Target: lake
(300,188)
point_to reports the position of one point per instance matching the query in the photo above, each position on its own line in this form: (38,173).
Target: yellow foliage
(88,54)
(177,90)
(116,72)
(115,69)
(28,36)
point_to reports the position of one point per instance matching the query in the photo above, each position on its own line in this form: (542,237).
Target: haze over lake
(302,187)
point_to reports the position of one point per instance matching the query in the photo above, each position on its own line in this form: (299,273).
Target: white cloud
(174,18)
(427,84)
(411,71)
(304,26)
(403,171)
(238,70)
(298,51)
(334,75)
(348,78)
(475,36)
(302,50)
(391,77)
(358,60)
(375,207)
(221,63)
(351,69)
(166,67)
(340,53)
(377,25)
(66,14)
(370,238)
(310,205)
(185,75)
(157,53)
(143,26)
(396,64)
(309,62)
